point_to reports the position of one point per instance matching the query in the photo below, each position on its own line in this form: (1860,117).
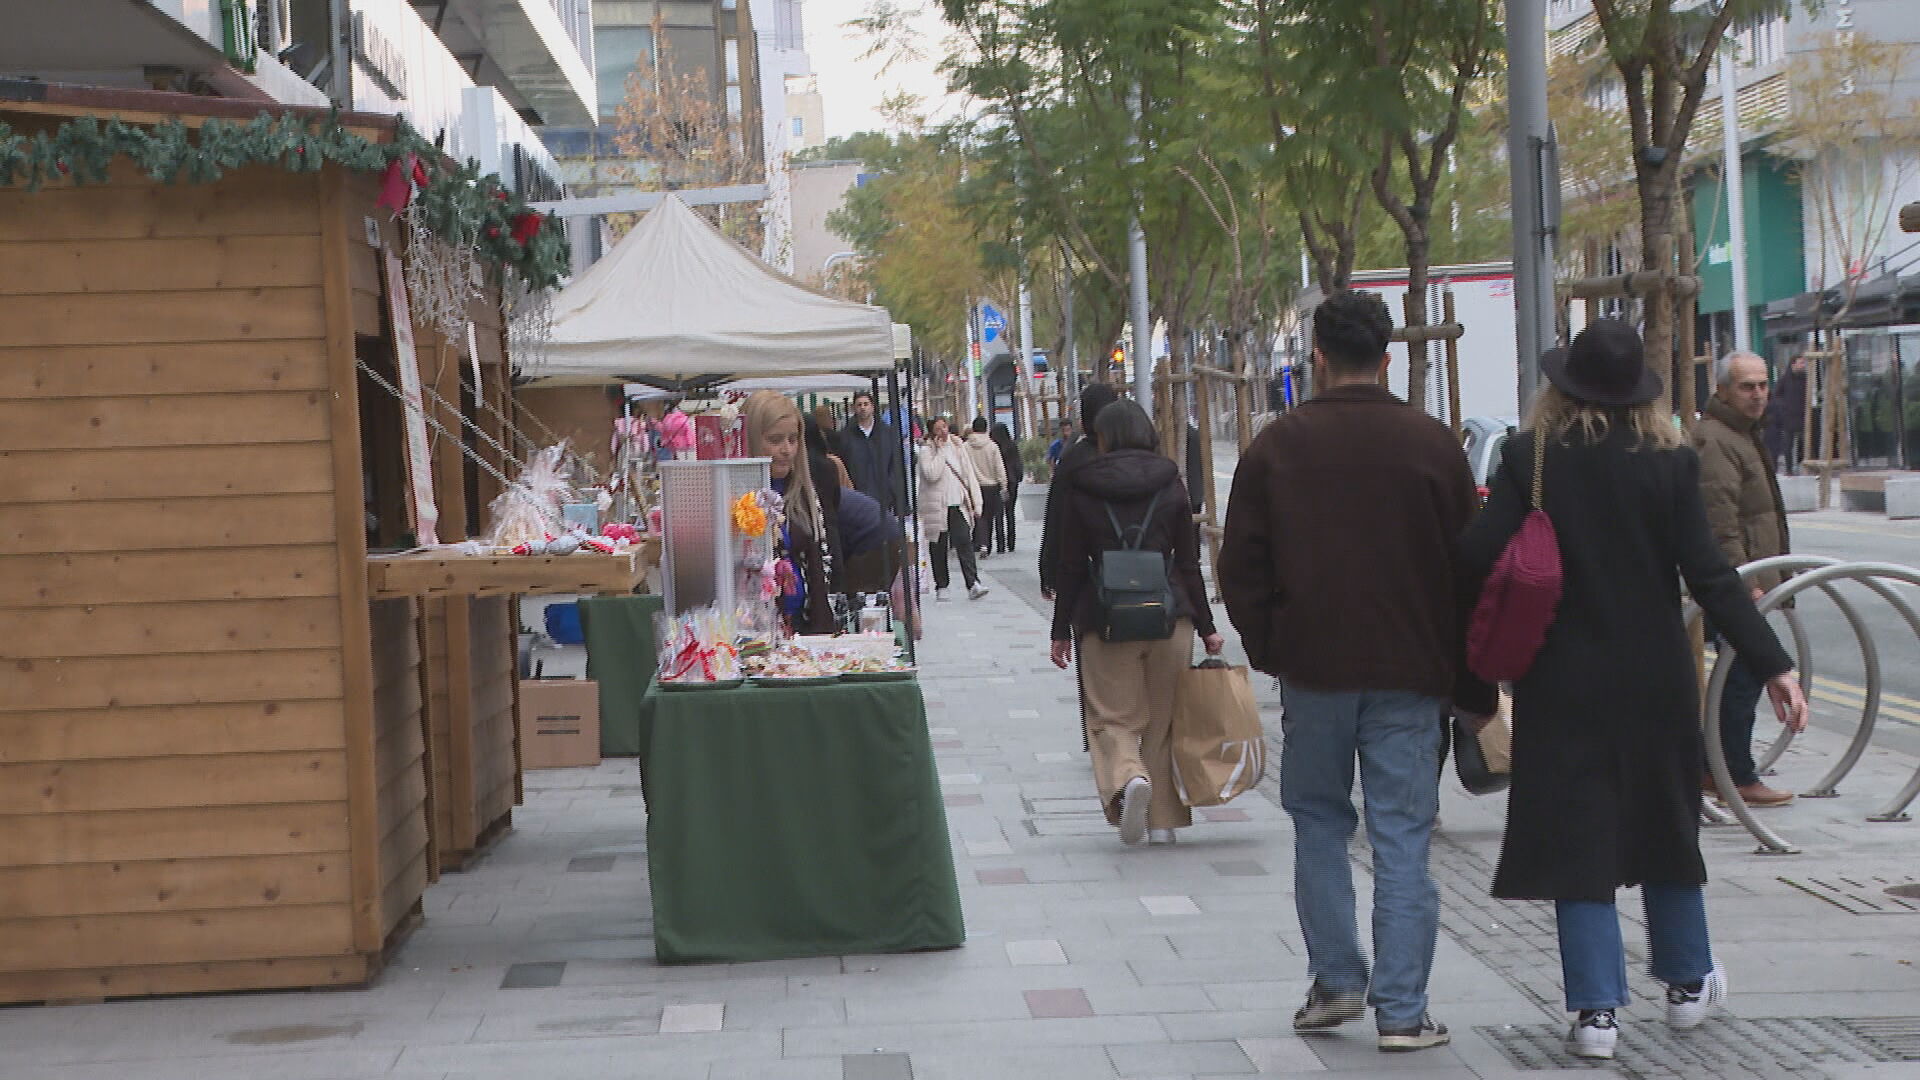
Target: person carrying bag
(1129,600)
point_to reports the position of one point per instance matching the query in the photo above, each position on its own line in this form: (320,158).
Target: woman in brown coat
(1606,724)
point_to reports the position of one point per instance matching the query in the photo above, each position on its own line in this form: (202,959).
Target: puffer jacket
(946,479)
(988,466)
(1742,495)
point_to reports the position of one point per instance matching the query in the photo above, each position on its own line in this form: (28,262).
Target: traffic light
(1119,359)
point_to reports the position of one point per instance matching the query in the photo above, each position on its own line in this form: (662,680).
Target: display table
(802,821)
(620,657)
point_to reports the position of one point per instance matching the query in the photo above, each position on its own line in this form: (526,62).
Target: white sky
(852,87)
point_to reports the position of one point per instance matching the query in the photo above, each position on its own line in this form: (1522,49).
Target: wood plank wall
(494,788)
(174,807)
(406,855)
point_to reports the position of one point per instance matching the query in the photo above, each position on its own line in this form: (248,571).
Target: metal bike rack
(1820,573)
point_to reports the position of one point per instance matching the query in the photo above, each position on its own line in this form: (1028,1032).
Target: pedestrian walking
(872,451)
(1606,723)
(1339,572)
(1061,441)
(949,502)
(1787,416)
(1749,522)
(1130,497)
(1073,454)
(1010,496)
(991,468)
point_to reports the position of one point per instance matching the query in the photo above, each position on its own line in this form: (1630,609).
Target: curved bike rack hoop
(1821,573)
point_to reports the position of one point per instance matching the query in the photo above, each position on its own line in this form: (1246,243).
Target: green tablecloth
(621,658)
(803,821)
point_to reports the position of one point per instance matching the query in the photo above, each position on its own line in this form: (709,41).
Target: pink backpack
(1521,594)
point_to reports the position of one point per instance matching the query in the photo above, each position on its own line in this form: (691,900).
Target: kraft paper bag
(1219,751)
(1496,739)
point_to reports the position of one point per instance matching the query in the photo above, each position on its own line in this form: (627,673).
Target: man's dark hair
(1095,397)
(868,394)
(980,425)
(1351,328)
(1123,425)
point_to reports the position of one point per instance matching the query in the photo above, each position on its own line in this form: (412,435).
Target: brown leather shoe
(1760,795)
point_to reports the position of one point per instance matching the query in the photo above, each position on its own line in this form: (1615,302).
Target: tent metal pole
(903,419)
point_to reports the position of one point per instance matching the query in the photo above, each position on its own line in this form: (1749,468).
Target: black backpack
(1131,589)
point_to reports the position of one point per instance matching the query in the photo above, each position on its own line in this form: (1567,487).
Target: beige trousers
(1129,694)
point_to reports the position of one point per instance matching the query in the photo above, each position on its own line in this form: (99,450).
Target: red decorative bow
(526,226)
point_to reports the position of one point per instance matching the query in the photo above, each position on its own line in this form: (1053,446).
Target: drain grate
(1897,1037)
(1728,1047)
(1865,894)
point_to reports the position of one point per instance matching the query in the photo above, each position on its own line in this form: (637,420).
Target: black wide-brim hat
(1606,365)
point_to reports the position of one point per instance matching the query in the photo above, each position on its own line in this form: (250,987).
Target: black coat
(1607,751)
(1073,457)
(1124,482)
(873,464)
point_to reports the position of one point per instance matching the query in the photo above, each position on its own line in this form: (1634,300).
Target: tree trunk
(1656,254)
(1414,306)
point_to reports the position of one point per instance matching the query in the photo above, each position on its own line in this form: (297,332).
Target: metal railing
(1812,572)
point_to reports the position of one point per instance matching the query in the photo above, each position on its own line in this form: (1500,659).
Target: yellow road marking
(1861,530)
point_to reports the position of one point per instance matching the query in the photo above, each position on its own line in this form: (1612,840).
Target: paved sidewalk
(1084,960)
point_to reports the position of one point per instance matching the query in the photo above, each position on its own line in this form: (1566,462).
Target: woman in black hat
(1606,724)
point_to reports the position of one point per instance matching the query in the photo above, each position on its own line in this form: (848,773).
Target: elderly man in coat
(1749,521)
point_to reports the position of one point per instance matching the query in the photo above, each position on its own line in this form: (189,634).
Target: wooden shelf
(441,574)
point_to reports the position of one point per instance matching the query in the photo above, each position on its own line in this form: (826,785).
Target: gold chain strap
(1539,462)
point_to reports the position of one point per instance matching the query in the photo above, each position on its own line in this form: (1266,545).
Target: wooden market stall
(222,762)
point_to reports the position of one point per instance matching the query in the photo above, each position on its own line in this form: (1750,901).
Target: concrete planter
(1801,494)
(1033,501)
(1903,497)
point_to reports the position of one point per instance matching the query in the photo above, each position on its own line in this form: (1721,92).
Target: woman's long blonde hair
(763,410)
(1568,419)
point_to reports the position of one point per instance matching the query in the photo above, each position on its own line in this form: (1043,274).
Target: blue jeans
(1396,738)
(1594,965)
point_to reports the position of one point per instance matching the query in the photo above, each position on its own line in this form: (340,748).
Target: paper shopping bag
(1219,751)
(1484,760)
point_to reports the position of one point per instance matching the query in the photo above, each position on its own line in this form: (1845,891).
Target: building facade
(475,74)
(1823,249)
(819,189)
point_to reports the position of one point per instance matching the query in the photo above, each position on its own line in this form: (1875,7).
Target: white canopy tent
(676,300)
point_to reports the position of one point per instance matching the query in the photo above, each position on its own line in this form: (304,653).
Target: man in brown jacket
(1338,570)
(1749,521)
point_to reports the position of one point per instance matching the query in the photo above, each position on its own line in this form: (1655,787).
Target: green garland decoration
(458,203)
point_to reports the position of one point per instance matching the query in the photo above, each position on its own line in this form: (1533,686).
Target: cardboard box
(559,723)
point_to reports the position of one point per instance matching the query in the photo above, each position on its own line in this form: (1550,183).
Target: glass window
(799,127)
(617,51)
(733,60)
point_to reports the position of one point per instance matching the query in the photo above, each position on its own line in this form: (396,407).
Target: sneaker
(1159,836)
(1686,1009)
(975,592)
(1133,810)
(1326,1009)
(939,596)
(1758,794)
(1401,1040)
(1593,1034)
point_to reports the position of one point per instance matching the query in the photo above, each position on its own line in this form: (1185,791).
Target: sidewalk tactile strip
(1862,895)
(1898,1037)
(1723,1047)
